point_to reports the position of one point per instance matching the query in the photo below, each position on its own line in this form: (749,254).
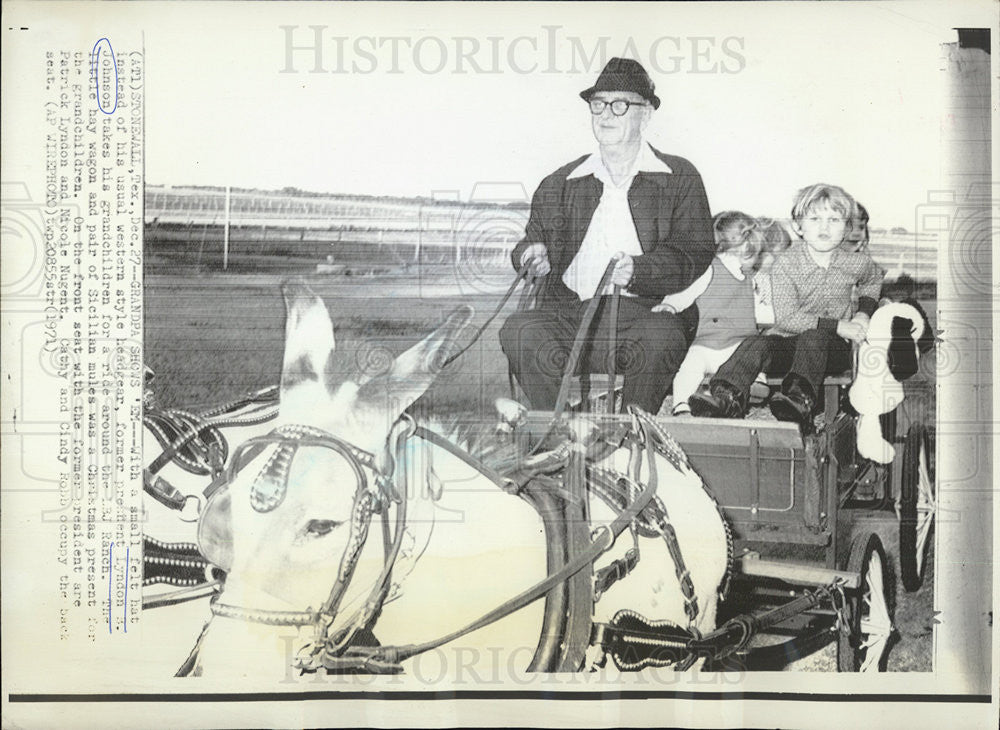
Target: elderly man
(625,198)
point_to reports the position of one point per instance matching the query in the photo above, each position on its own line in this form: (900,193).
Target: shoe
(794,405)
(681,410)
(724,402)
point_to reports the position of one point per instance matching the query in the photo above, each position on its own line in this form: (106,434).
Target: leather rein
(337,651)
(390,488)
(194,441)
(637,506)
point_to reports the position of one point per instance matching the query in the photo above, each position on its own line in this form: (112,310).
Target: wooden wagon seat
(595,386)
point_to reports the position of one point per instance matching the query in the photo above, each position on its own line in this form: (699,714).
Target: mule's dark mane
(479,438)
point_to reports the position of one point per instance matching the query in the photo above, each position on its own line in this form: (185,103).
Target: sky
(481,100)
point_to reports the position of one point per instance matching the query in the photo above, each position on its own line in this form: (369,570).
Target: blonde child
(725,307)
(816,320)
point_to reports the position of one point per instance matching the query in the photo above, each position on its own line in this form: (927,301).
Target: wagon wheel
(867,628)
(917,506)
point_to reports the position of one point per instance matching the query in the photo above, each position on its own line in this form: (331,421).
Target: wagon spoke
(874,644)
(926,507)
(923,531)
(877,610)
(875,626)
(874,596)
(873,653)
(917,505)
(925,487)
(876,639)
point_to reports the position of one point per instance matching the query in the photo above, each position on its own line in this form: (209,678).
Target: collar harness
(345,649)
(638,509)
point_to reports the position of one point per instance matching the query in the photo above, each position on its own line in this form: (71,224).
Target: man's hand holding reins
(624,269)
(538,257)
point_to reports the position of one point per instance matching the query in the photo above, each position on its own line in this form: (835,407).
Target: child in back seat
(816,320)
(725,308)
(857,238)
(774,241)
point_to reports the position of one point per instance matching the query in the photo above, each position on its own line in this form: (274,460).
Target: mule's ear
(413,371)
(308,336)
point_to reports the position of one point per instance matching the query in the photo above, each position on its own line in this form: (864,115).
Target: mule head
(361,410)
(291,523)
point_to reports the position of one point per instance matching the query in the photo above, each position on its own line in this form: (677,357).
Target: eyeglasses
(619,107)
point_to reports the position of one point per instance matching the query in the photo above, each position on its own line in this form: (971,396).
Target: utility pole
(225,235)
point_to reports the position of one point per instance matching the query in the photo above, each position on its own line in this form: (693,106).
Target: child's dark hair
(857,237)
(774,236)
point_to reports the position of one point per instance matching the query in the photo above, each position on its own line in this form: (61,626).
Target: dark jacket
(672,220)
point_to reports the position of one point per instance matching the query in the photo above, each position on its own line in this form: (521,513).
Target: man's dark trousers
(650,347)
(811,356)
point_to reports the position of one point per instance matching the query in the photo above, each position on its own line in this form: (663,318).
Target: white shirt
(612,228)
(679,301)
(732,264)
(763,307)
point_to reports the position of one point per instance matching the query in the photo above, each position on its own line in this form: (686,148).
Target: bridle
(389,658)
(267,493)
(339,651)
(194,441)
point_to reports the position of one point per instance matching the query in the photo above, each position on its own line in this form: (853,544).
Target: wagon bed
(791,502)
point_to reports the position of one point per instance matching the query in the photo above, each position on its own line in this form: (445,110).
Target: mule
(287,523)
(173,567)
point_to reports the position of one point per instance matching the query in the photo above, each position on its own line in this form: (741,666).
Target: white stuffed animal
(887,357)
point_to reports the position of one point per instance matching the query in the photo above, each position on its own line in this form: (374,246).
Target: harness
(338,651)
(194,441)
(342,656)
(268,492)
(637,506)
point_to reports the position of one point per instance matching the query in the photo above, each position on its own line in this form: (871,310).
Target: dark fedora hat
(624,74)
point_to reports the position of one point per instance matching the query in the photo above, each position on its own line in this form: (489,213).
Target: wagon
(805,513)
(804,566)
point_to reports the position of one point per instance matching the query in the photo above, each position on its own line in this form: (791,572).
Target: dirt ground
(910,648)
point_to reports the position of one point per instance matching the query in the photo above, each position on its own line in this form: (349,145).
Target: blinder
(268,492)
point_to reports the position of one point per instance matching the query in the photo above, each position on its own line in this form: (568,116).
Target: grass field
(212,337)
